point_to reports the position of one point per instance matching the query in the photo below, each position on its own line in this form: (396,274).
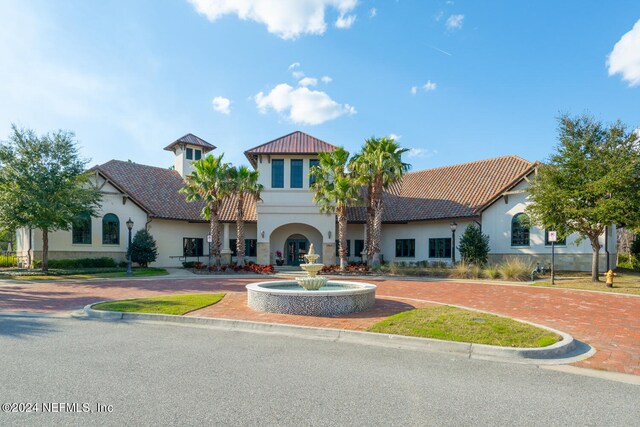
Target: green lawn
(625,282)
(456,324)
(164,304)
(86,273)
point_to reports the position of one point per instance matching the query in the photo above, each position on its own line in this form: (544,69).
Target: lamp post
(129,226)
(453,226)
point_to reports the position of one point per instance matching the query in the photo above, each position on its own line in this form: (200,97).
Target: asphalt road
(172,375)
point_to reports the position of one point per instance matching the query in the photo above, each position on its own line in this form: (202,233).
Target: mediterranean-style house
(420,212)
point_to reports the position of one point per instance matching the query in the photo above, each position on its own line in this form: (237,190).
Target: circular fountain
(312,295)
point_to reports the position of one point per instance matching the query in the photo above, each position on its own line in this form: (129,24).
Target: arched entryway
(295,248)
(294,240)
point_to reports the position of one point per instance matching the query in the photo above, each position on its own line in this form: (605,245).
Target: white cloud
(221,104)
(294,65)
(394,136)
(302,105)
(624,59)
(286,18)
(414,90)
(454,22)
(297,75)
(308,81)
(373,12)
(326,79)
(345,21)
(429,86)
(439,15)
(421,152)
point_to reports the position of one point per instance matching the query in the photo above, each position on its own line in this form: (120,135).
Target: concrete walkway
(609,322)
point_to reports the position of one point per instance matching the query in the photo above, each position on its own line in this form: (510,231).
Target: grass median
(164,304)
(456,324)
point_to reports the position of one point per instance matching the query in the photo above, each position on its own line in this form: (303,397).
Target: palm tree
(361,174)
(380,165)
(335,192)
(242,182)
(209,183)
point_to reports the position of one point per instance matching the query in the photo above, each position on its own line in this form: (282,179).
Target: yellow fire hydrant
(609,276)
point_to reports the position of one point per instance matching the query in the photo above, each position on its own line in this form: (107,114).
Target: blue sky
(456,81)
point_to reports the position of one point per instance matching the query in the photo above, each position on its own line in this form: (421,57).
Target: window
(110,230)
(198,155)
(312,178)
(189,153)
(348,248)
(277,173)
(81,230)
(296,173)
(520,230)
(250,247)
(405,248)
(192,246)
(359,247)
(440,248)
(548,243)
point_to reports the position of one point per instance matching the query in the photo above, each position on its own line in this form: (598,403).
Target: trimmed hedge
(69,264)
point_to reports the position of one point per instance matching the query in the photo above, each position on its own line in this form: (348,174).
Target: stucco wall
(421,231)
(496,222)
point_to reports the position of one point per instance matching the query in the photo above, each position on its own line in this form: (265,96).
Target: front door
(296,250)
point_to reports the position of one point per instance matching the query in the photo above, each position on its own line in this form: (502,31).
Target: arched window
(520,230)
(110,230)
(81,230)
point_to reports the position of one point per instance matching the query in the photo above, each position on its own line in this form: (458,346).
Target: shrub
(69,264)
(461,270)
(515,269)
(188,264)
(492,272)
(8,260)
(476,272)
(394,268)
(143,248)
(474,246)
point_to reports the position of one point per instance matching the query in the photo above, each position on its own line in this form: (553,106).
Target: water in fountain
(312,282)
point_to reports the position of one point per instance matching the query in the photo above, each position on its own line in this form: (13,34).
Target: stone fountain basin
(287,297)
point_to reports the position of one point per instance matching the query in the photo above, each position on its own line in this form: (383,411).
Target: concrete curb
(561,352)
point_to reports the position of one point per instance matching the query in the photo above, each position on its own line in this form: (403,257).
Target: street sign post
(209,239)
(553,238)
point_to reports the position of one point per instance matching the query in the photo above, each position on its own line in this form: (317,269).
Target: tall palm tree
(361,174)
(335,191)
(209,183)
(242,182)
(384,166)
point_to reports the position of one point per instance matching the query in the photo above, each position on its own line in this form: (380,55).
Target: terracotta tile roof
(293,143)
(191,139)
(450,191)
(156,191)
(456,191)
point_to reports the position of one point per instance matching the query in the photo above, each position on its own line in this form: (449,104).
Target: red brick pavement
(609,322)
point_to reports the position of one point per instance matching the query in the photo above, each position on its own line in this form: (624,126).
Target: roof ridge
(471,162)
(127,162)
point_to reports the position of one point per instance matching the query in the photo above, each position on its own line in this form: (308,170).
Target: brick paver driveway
(609,322)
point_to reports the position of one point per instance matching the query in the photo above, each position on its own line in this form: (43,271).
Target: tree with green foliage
(589,183)
(143,248)
(474,246)
(243,182)
(635,247)
(335,191)
(209,183)
(43,184)
(378,166)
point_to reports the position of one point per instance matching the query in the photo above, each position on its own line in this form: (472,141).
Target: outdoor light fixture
(262,234)
(329,233)
(129,226)
(453,226)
